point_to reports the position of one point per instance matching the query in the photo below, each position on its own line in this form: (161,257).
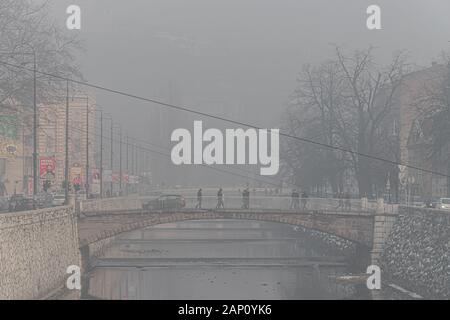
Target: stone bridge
(37,246)
(365,223)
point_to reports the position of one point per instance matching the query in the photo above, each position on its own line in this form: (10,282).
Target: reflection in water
(219,259)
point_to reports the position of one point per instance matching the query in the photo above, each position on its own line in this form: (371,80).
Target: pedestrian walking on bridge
(295,199)
(341,201)
(246,199)
(348,203)
(199,199)
(304,199)
(220,199)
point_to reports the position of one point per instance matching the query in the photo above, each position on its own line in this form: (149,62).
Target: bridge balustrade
(286,203)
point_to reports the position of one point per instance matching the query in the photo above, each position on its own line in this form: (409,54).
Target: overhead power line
(204,114)
(166,155)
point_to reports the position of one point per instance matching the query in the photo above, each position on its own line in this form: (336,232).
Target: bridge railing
(287,203)
(278,202)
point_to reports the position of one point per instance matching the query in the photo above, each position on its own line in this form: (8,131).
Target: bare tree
(26,29)
(347,103)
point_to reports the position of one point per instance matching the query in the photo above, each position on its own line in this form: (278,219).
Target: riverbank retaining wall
(417,252)
(36,247)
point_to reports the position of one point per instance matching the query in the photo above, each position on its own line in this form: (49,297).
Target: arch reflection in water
(219,259)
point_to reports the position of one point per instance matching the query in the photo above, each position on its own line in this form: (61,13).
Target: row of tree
(346,102)
(347,112)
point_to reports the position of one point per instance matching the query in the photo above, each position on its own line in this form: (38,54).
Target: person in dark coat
(199,199)
(220,203)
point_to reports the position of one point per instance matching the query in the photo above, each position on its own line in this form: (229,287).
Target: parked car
(19,202)
(430,203)
(164,202)
(444,203)
(59,199)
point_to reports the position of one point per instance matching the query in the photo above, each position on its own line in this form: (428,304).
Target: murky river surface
(220,259)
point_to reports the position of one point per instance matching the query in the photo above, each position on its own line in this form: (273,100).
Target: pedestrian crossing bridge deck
(355,222)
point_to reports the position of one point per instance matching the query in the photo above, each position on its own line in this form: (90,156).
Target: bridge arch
(355,228)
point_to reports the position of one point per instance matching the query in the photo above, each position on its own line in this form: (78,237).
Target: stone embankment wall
(36,247)
(417,252)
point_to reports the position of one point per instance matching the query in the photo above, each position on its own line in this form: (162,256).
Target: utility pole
(66,168)
(132,165)
(132,159)
(87,147)
(120,161)
(136,162)
(101,153)
(128,172)
(35,129)
(111,160)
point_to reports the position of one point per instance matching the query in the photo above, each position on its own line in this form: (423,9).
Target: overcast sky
(244,52)
(237,58)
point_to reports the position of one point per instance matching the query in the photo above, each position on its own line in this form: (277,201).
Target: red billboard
(47,167)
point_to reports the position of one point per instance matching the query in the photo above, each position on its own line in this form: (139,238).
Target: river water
(220,259)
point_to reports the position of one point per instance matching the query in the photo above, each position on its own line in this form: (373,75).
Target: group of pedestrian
(344,201)
(295,199)
(220,202)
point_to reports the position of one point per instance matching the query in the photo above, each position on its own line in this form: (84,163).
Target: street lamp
(109,117)
(119,126)
(101,148)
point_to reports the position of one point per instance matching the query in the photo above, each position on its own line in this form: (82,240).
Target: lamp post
(128,167)
(112,158)
(119,127)
(101,153)
(87,148)
(103,116)
(120,161)
(66,167)
(35,160)
(101,145)
(388,186)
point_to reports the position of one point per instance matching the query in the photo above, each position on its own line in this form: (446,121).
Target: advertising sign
(75,175)
(9,148)
(47,166)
